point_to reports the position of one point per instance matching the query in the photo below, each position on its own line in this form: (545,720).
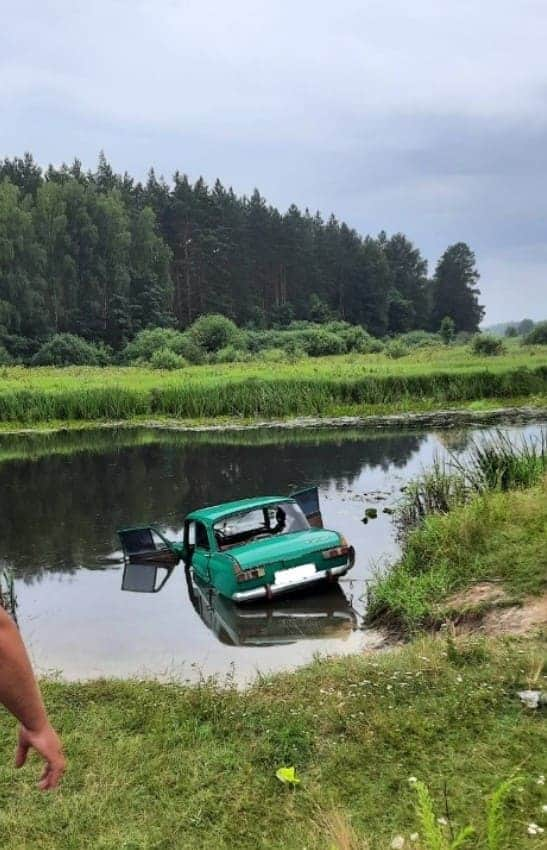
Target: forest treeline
(103,256)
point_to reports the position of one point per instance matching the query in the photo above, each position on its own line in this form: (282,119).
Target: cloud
(424,117)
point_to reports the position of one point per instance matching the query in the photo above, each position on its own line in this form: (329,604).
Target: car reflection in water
(326,614)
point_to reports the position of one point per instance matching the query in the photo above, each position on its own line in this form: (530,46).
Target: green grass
(498,535)
(361,384)
(161,767)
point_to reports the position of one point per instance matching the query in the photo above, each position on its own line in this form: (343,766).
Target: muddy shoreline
(444,419)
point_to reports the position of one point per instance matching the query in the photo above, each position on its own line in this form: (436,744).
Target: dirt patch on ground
(516,619)
(485,607)
(476,594)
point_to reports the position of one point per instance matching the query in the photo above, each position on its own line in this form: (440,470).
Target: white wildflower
(442,821)
(398,843)
(534,829)
(414,836)
(540,780)
(544,808)
(412,779)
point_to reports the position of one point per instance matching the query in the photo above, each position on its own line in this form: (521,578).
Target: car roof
(216,512)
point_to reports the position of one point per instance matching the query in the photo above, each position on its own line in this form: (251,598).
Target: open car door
(145,543)
(308,500)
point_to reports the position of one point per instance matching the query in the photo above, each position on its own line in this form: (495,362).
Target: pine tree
(455,292)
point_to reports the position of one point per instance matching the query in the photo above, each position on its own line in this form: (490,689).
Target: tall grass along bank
(170,767)
(485,521)
(355,383)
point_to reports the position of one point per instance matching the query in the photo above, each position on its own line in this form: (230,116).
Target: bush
(273,355)
(319,343)
(375,346)
(537,336)
(489,345)
(166,358)
(188,348)
(447,330)
(511,331)
(231,354)
(70,350)
(150,340)
(355,338)
(213,332)
(419,339)
(396,349)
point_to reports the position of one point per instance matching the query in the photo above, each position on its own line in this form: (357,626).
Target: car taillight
(336,552)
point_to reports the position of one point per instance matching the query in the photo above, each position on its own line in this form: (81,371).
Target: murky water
(84,615)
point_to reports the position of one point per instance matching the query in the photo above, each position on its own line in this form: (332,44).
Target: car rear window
(258,523)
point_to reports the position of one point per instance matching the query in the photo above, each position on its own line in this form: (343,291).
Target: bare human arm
(20,694)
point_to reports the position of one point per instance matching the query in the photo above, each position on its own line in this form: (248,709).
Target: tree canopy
(102,256)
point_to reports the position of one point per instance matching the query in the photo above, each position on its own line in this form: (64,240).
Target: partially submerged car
(253,548)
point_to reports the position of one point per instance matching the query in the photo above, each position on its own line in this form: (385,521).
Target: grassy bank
(485,522)
(158,767)
(324,386)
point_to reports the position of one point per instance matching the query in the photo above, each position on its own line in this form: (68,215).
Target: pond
(83,614)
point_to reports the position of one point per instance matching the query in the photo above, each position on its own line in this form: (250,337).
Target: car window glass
(202,541)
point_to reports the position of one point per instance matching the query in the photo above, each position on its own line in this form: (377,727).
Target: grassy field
(160,767)
(497,537)
(358,384)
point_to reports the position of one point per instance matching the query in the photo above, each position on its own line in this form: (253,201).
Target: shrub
(511,331)
(419,339)
(273,355)
(396,349)
(150,340)
(447,330)
(231,354)
(188,348)
(319,343)
(166,358)
(537,336)
(489,345)
(375,346)
(356,338)
(294,348)
(70,350)
(213,332)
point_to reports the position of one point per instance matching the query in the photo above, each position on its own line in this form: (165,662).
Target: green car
(253,548)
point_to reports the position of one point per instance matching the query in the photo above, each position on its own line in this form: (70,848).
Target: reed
(356,383)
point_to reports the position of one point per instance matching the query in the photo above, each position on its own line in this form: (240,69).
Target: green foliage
(447,329)
(486,344)
(5,358)
(495,814)
(69,350)
(433,835)
(356,384)
(166,358)
(321,342)
(467,529)
(454,292)
(537,336)
(396,349)
(214,332)
(511,331)
(150,340)
(103,257)
(231,354)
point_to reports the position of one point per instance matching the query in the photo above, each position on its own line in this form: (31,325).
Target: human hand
(46,742)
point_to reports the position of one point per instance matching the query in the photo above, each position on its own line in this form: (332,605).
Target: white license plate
(294,575)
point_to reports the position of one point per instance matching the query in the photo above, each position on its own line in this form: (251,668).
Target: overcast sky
(426,116)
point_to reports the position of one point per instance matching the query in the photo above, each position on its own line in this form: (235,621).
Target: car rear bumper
(269,591)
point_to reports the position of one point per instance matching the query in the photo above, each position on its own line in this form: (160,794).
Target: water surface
(62,498)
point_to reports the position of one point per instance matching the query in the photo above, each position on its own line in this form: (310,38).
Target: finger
(51,777)
(21,753)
